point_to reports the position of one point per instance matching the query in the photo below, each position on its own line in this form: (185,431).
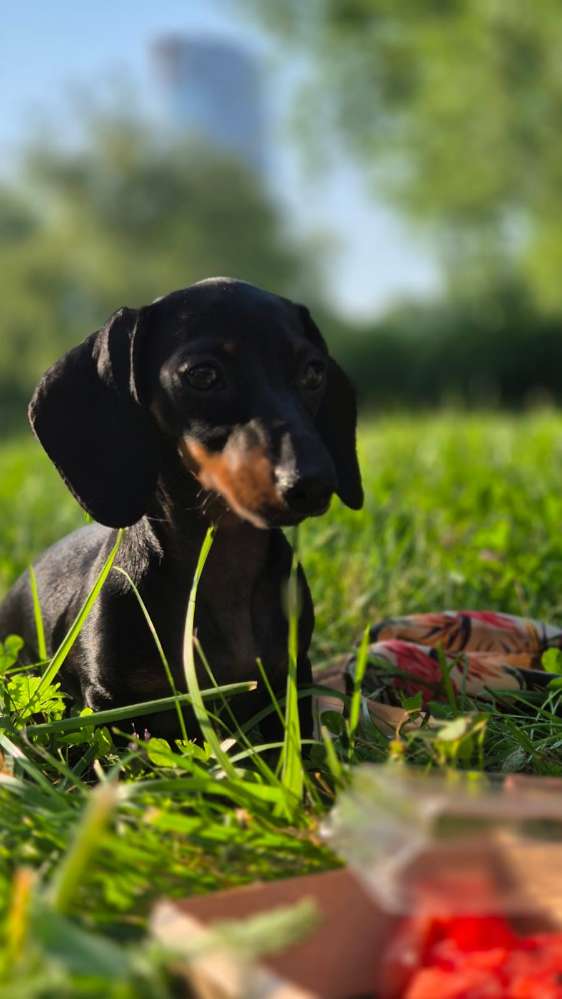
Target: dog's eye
(312,376)
(202,377)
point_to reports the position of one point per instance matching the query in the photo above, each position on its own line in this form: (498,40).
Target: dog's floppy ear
(337,420)
(87,415)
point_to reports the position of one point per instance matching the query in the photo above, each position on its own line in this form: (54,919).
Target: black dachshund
(215,404)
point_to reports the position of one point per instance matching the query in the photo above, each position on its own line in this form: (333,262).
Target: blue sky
(46,49)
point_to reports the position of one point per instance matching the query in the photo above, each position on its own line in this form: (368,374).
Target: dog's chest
(235,624)
(240,628)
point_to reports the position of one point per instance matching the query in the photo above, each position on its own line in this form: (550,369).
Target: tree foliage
(456,108)
(119,219)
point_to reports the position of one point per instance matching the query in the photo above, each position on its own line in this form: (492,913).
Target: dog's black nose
(308,495)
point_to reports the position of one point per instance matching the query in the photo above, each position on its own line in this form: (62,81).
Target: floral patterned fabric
(482,652)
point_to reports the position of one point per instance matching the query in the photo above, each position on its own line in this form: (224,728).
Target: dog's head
(239,379)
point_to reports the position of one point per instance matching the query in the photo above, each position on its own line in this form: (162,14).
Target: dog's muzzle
(253,487)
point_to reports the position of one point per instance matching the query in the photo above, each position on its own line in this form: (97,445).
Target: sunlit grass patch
(461,512)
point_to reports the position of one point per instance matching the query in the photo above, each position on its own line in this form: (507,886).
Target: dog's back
(62,572)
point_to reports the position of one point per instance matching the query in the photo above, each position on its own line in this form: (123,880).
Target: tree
(455,107)
(121,219)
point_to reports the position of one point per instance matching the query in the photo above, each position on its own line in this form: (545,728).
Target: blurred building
(214,90)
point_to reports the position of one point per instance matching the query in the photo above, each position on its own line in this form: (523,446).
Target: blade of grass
(38,616)
(241,792)
(316,688)
(24,763)
(160,650)
(358,674)
(292,771)
(77,625)
(446,668)
(17,922)
(214,717)
(334,764)
(102,802)
(269,688)
(192,682)
(265,747)
(237,732)
(131,710)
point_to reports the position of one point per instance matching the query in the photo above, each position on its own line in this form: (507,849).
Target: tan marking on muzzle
(244,477)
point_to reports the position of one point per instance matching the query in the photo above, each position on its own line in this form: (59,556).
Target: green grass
(461,512)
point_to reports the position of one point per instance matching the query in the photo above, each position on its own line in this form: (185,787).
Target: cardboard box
(341,957)
(337,961)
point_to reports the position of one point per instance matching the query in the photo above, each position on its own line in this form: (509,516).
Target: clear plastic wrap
(457,844)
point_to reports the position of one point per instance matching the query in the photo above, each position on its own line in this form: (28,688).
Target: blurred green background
(445,116)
